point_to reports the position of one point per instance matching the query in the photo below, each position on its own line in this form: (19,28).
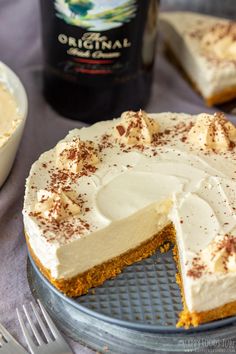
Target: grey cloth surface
(20,48)
(219,8)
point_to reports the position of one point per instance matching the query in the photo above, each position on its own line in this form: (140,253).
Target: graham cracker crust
(81,283)
(188,319)
(226,95)
(223,96)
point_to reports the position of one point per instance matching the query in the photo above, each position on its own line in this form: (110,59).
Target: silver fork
(8,344)
(55,345)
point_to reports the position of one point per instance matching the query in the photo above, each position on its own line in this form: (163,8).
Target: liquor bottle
(99,56)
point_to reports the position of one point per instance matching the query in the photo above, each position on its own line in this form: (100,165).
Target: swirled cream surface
(10,117)
(105,189)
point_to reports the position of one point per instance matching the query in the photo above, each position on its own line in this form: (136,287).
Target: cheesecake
(112,194)
(205,49)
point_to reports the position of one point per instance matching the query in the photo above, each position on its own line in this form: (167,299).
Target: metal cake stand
(135,312)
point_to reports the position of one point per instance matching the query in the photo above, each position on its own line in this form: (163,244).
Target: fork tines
(4,335)
(8,343)
(53,339)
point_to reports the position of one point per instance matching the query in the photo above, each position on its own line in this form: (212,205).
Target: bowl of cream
(13,113)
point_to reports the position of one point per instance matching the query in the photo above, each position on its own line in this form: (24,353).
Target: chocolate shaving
(229,244)
(121,129)
(197,268)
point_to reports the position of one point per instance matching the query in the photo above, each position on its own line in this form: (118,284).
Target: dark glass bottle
(99,56)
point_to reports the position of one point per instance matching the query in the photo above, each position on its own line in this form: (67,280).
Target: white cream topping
(136,128)
(120,206)
(212,132)
(208,59)
(56,205)
(220,42)
(9,115)
(73,155)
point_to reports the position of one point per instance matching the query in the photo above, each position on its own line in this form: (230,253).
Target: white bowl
(9,149)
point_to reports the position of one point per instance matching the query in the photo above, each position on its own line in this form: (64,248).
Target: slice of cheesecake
(205,48)
(111,194)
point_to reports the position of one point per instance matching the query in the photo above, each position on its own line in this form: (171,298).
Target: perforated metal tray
(143,297)
(134,313)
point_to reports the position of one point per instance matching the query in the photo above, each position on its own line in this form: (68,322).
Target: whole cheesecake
(111,194)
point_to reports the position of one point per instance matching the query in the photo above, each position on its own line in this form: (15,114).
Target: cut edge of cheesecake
(82,283)
(188,318)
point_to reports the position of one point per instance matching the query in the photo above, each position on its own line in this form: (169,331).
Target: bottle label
(96,15)
(97,38)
